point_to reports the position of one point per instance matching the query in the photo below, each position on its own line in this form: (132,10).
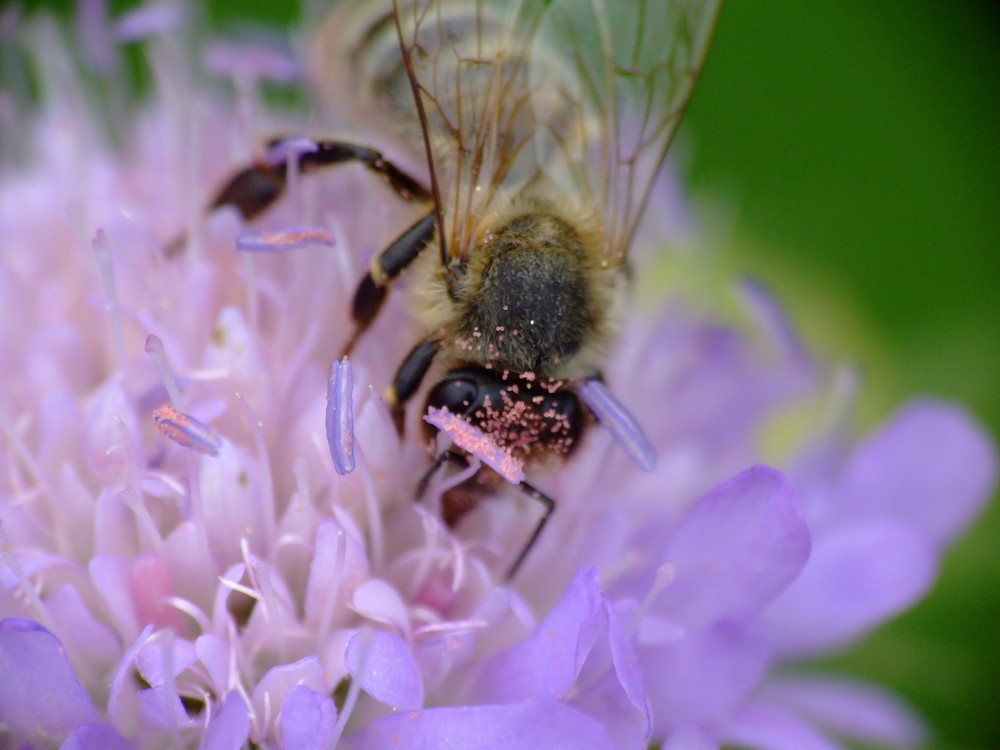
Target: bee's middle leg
(374,287)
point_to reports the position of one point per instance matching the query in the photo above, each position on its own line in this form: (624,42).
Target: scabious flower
(204,545)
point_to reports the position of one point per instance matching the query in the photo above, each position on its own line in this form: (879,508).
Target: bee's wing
(469,62)
(632,66)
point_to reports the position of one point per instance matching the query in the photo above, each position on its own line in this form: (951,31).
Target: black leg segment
(549,505)
(408,378)
(340,152)
(373,288)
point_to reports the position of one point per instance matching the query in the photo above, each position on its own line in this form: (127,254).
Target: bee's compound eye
(457,395)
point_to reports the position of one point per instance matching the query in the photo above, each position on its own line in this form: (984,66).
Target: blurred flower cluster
(182,566)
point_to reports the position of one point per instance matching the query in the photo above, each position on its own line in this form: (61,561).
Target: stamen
(620,422)
(292,149)
(282,240)
(470,438)
(191,609)
(353,690)
(21,449)
(665,575)
(187,431)
(253,61)
(103,252)
(131,500)
(149,20)
(771,318)
(154,348)
(288,150)
(14,565)
(266,480)
(340,416)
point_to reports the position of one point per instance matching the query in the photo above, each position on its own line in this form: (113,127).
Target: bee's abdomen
(533,309)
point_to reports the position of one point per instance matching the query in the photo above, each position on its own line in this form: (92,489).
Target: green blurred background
(860,145)
(855,148)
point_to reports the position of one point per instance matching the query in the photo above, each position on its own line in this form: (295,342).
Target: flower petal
(767,728)
(229,727)
(270,693)
(386,668)
(547,662)
(163,652)
(739,547)
(851,709)
(307,720)
(690,737)
(41,700)
(96,737)
(536,724)
(857,577)
(703,678)
(931,465)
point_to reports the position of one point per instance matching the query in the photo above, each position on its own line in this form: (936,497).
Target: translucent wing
(469,61)
(632,66)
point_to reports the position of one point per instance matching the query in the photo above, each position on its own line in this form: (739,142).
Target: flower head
(208,528)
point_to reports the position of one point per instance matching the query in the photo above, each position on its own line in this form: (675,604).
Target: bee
(543,124)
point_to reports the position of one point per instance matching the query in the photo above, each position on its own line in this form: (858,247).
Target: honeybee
(543,124)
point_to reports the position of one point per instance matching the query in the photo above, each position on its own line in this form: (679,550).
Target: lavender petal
(704,677)
(41,699)
(307,720)
(931,465)
(543,723)
(340,416)
(754,516)
(229,727)
(851,709)
(767,728)
(385,667)
(96,737)
(546,663)
(857,577)
(620,422)
(690,737)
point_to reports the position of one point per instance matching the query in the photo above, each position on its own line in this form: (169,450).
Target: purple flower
(203,545)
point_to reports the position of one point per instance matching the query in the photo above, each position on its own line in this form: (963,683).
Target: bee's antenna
(425,131)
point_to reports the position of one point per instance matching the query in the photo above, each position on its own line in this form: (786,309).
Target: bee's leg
(408,378)
(533,492)
(253,189)
(439,461)
(550,506)
(374,287)
(329,153)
